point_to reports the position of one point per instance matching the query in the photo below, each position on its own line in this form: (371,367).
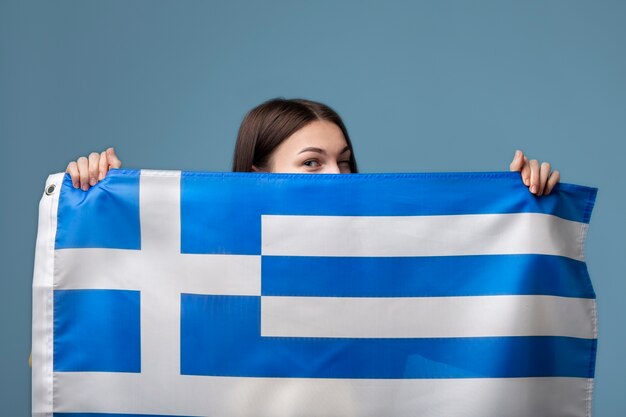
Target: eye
(345,167)
(313,163)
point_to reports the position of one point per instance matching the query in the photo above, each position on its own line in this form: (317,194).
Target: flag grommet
(50,189)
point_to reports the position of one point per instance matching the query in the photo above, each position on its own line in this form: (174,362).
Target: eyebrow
(322,151)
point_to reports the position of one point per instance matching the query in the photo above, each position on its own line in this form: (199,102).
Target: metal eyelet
(50,189)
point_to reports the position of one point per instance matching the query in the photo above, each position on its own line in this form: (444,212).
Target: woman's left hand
(539,179)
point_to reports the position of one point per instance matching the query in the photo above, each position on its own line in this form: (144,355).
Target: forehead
(319,134)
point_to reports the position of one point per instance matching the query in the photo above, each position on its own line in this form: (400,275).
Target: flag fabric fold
(175,293)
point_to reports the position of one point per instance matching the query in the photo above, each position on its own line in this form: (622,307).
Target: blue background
(422,86)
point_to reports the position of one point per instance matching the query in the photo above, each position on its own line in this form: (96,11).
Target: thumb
(114,161)
(518,161)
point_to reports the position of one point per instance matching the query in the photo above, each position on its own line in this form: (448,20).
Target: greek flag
(169,293)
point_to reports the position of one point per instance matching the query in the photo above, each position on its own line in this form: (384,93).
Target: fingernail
(85,187)
(92,181)
(526,181)
(533,189)
(517,153)
(75,184)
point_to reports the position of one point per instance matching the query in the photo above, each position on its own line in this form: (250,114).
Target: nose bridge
(332,167)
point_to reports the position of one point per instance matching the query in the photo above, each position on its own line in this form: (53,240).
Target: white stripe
(478,234)
(159,202)
(159,209)
(404,317)
(96,268)
(293,397)
(43,275)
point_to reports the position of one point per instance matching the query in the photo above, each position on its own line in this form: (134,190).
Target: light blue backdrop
(422,86)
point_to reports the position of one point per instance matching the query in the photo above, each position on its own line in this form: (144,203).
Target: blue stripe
(96,331)
(220,336)
(444,276)
(106,216)
(218,209)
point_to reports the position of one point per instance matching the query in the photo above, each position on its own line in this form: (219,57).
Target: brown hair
(270,123)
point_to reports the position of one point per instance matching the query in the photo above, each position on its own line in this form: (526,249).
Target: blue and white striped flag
(232,294)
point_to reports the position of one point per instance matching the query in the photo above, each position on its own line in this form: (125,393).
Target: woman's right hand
(87,171)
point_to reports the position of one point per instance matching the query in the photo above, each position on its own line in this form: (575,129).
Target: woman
(297,136)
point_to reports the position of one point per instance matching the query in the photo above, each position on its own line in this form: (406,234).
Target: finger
(94,163)
(555,177)
(544,173)
(114,161)
(526,173)
(72,169)
(104,166)
(83,172)
(518,161)
(534,176)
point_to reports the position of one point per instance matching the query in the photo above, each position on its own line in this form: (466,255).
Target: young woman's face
(317,148)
